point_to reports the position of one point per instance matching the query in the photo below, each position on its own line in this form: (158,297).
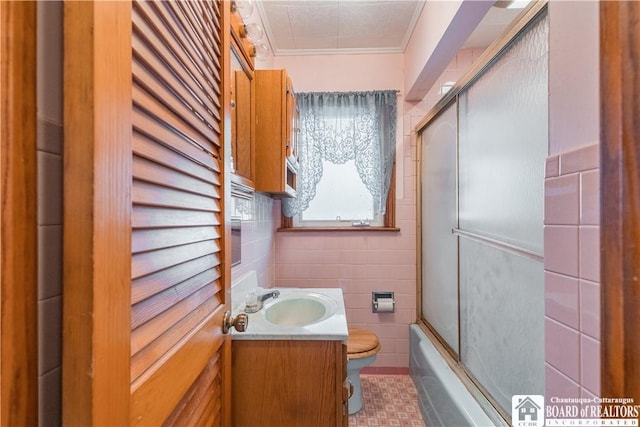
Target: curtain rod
(348,91)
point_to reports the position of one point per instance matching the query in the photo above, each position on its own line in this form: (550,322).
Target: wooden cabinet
(276,133)
(289,383)
(242,96)
(242,119)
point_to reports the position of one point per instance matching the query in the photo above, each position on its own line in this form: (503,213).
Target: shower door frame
(486,60)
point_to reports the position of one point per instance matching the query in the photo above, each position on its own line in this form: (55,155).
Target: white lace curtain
(342,126)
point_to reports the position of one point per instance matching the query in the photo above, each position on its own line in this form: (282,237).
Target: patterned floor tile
(389,401)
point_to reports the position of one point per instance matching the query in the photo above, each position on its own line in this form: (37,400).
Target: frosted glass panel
(502,320)
(503,144)
(439,245)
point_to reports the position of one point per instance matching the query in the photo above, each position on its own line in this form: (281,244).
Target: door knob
(240,322)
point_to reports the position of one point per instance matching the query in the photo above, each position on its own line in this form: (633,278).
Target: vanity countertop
(332,328)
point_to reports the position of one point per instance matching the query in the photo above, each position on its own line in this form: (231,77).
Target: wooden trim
(345,229)
(18,210)
(286,223)
(620,205)
(226,383)
(390,207)
(97,211)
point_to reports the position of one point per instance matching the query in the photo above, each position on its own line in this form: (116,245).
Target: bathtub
(443,398)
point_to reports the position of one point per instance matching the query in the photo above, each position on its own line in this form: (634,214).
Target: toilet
(362,347)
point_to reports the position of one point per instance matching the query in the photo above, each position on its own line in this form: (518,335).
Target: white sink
(299,309)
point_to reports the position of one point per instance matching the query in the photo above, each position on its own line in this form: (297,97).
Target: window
(341,199)
(347,151)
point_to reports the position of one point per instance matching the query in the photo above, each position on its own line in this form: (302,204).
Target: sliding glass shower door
(503,147)
(439,218)
(482,182)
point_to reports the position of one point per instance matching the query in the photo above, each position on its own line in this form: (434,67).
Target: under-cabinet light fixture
(251,30)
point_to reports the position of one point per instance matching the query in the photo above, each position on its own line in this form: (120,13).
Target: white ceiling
(300,27)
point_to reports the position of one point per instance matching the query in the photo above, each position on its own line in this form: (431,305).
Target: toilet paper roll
(384,305)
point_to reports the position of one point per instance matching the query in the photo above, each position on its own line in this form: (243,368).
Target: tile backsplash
(572,271)
(259,217)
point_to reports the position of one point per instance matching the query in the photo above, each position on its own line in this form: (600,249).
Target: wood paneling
(151,284)
(153,171)
(97,205)
(18,250)
(271,134)
(178,295)
(200,399)
(155,395)
(300,383)
(163,231)
(620,198)
(157,142)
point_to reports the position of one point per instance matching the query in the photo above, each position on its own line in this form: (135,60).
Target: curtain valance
(342,126)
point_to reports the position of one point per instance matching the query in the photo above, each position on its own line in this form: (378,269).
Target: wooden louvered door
(177,294)
(146,349)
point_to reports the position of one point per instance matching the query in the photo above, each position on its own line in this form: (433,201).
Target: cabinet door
(288,383)
(242,118)
(275,167)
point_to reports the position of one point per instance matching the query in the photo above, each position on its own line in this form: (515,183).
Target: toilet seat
(361,343)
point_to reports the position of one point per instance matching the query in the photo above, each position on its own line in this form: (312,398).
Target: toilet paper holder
(383,302)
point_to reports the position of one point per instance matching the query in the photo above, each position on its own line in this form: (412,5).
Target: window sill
(332,229)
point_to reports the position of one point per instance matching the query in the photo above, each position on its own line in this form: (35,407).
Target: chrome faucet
(255,301)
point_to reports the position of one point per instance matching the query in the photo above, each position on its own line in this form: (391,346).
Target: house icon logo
(527,411)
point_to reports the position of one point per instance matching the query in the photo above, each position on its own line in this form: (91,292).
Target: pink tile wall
(360,264)
(260,218)
(572,270)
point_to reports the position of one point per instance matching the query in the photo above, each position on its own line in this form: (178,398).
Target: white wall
(572,203)
(343,72)
(573,75)
(440,32)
